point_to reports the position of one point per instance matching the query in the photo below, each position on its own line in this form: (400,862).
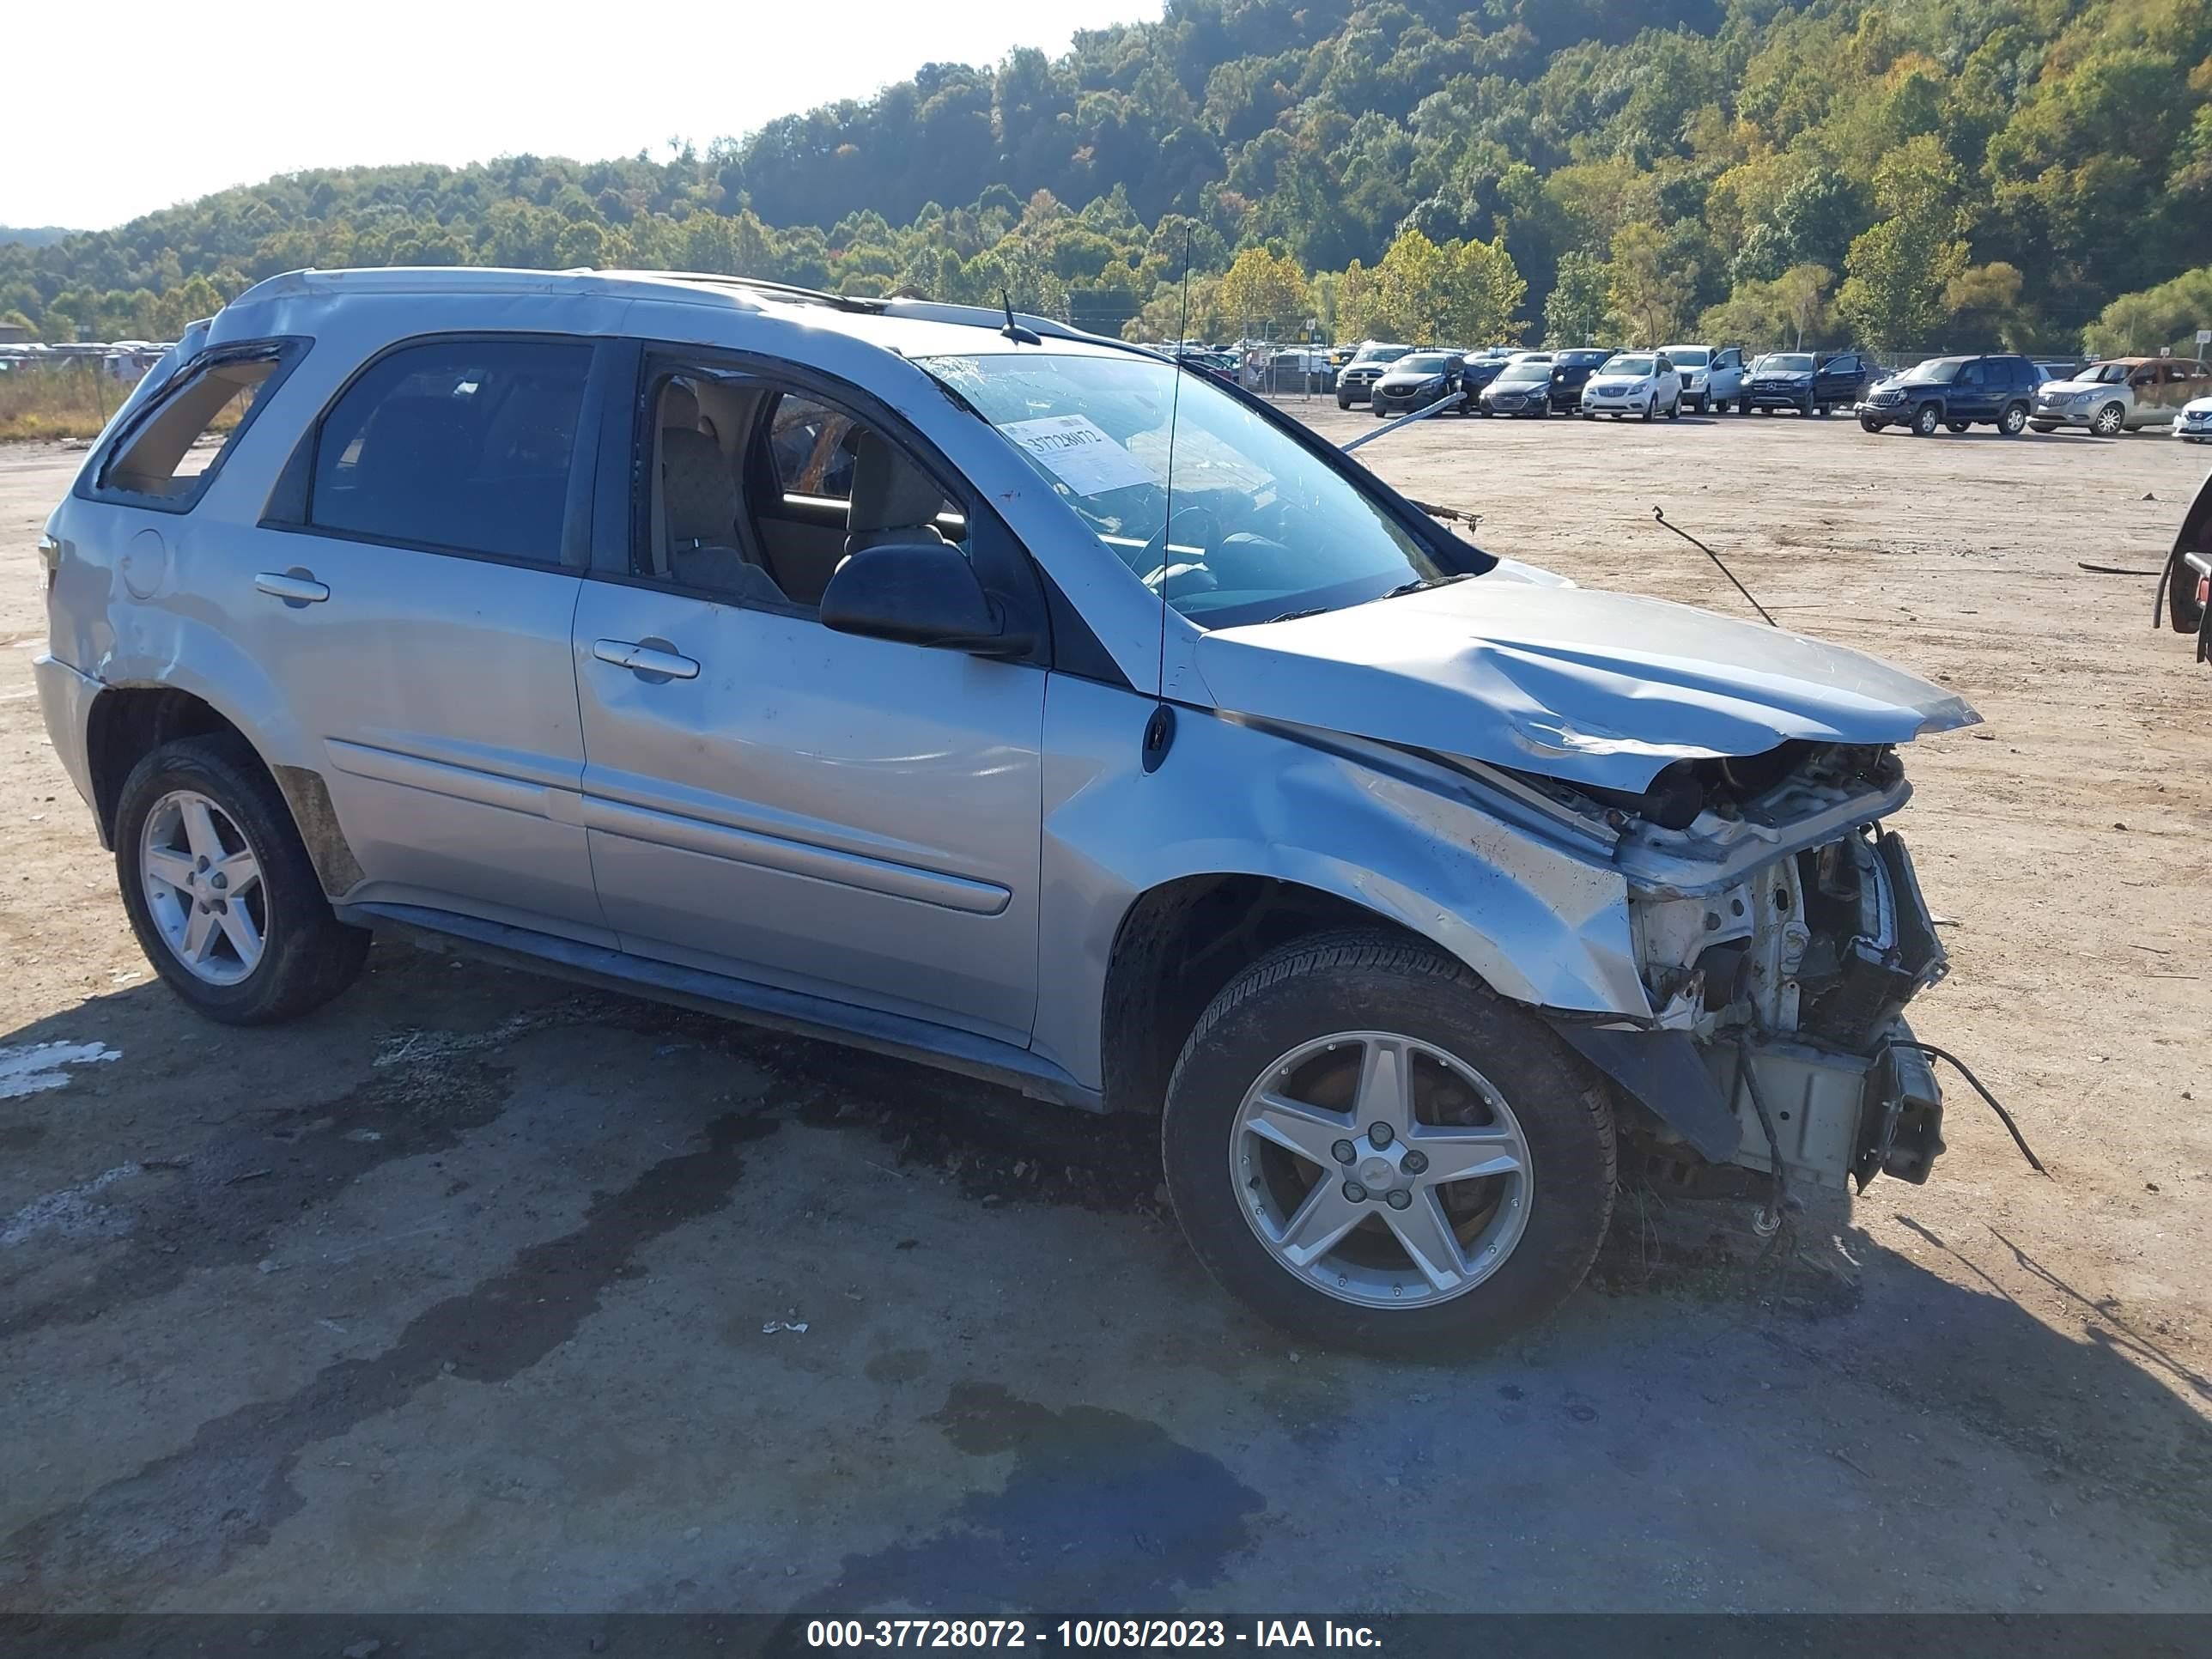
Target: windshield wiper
(1403,588)
(1424,584)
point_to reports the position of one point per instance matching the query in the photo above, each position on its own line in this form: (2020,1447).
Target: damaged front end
(1780,930)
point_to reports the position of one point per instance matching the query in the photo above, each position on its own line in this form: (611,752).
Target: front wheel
(2110,419)
(1869,426)
(1344,403)
(2043,426)
(1956,426)
(1926,420)
(1431,1172)
(1674,409)
(219,887)
(1743,406)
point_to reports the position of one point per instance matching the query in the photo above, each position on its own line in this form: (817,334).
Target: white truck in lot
(1711,378)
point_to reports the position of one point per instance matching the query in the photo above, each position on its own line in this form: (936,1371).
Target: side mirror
(920,593)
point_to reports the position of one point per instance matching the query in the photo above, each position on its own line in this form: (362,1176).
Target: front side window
(461,445)
(1263,527)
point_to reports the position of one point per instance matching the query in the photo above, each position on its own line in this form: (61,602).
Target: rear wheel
(219,890)
(2014,421)
(1371,1151)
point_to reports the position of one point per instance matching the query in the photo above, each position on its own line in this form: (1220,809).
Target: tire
(1698,406)
(1674,409)
(1590,414)
(1650,410)
(305,955)
(2042,426)
(2014,421)
(1822,409)
(1869,426)
(2109,421)
(1926,419)
(1956,426)
(1547,1216)
(1743,406)
(1344,403)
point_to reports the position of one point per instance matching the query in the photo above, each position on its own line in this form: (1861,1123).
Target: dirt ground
(472,1292)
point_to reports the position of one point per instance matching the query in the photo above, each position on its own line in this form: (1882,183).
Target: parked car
(1805,381)
(1222,365)
(1479,368)
(2060,369)
(1417,379)
(1571,372)
(1368,365)
(1519,388)
(1957,392)
(2194,424)
(1711,378)
(2122,394)
(1300,369)
(1641,383)
(731,645)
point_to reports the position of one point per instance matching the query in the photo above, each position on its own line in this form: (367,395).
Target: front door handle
(650,659)
(294,586)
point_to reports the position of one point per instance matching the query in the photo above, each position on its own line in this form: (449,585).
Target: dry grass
(58,400)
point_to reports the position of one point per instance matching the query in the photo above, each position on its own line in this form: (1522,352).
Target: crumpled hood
(1577,684)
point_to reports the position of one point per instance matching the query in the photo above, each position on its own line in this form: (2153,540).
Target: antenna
(1659,514)
(1013,331)
(1160,730)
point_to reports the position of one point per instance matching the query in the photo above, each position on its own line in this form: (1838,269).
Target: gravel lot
(475,1293)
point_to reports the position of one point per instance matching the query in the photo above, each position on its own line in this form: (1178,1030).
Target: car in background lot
(1571,372)
(1711,378)
(1639,383)
(1805,381)
(2122,394)
(1995,390)
(1479,368)
(2061,369)
(1369,364)
(1416,380)
(2194,424)
(1520,388)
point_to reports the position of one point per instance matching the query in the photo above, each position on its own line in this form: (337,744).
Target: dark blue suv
(1998,390)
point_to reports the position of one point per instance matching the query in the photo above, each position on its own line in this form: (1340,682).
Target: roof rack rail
(854,302)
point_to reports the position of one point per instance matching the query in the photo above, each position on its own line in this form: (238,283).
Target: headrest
(889,492)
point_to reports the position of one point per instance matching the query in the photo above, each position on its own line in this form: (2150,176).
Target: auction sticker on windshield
(1080,455)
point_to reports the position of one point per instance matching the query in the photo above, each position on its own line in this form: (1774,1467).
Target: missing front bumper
(1839,1118)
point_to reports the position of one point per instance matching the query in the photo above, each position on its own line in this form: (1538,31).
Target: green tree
(1898,271)
(1266,291)
(1576,312)
(1646,289)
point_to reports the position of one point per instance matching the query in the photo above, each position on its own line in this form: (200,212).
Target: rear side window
(465,445)
(172,451)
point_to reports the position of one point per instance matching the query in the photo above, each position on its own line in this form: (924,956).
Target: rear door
(415,589)
(853,820)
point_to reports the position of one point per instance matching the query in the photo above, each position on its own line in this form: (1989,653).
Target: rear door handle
(651,660)
(294,586)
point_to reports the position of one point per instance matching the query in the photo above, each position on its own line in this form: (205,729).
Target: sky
(162,104)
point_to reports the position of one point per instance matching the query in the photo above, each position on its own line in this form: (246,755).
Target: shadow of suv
(1956,392)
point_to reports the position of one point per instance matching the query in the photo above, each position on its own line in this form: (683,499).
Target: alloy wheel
(1381,1170)
(203,886)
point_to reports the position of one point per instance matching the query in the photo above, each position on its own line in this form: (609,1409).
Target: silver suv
(881,670)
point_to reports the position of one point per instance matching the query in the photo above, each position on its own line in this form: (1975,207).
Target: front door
(852,818)
(416,617)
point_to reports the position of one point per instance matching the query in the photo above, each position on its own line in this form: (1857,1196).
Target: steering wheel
(1199,526)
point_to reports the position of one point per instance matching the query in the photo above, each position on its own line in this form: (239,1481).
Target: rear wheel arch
(129,722)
